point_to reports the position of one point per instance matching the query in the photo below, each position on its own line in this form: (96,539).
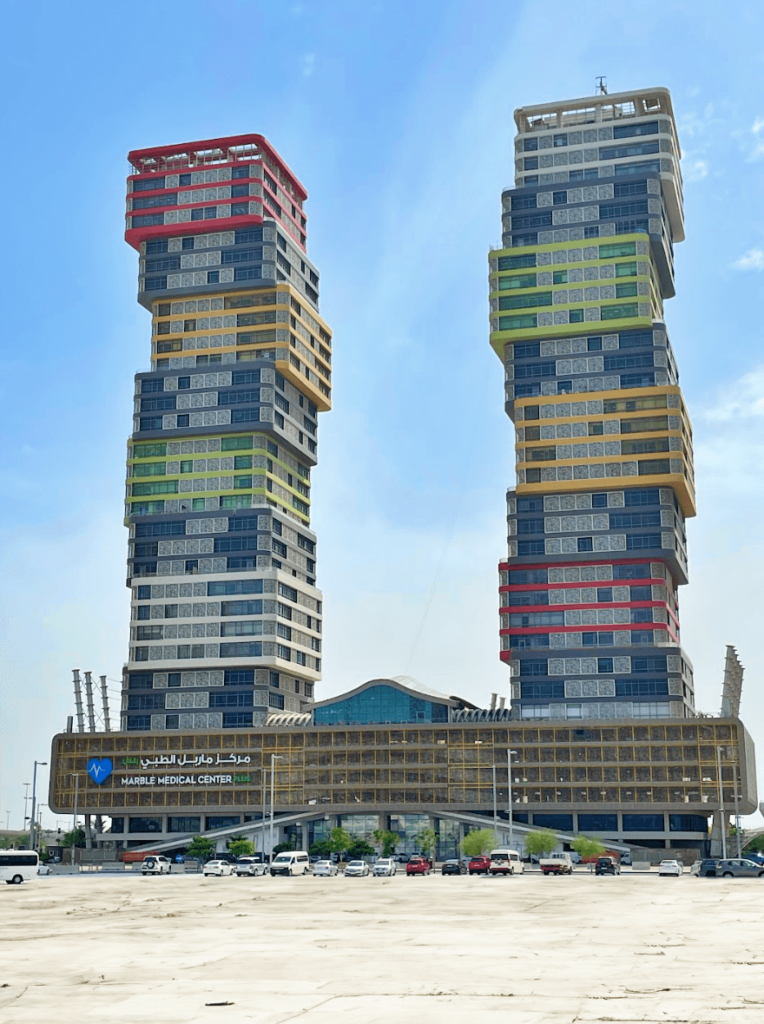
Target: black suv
(607,866)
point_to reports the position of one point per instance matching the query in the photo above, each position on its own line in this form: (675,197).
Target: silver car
(325,868)
(739,869)
(250,866)
(385,867)
(356,868)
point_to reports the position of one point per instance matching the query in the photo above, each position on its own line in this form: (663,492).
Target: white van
(296,862)
(506,862)
(17,866)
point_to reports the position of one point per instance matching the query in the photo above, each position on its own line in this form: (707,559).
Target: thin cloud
(308,64)
(743,398)
(758,124)
(695,170)
(752,260)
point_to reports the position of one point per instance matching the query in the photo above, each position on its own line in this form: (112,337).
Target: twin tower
(226,616)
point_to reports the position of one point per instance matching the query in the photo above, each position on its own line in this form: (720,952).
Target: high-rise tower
(596,521)
(226,617)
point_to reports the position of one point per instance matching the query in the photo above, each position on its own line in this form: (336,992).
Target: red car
(479,865)
(418,866)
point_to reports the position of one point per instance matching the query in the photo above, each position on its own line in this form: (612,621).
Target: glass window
(380,704)
(183,824)
(598,822)
(145,825)
(517,281)
(643,823)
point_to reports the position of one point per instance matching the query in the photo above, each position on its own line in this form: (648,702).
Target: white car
(670,867)
(327,868)
(249,866)
(356,868)
(217,867)
(155,864)
(44,869)
(385,867)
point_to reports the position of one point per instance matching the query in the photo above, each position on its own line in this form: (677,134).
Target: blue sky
(398,119)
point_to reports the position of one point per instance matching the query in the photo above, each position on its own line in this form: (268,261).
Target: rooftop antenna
(601,81)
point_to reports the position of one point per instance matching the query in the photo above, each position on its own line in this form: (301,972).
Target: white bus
(17,866)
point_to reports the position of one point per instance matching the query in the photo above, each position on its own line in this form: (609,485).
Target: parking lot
(182,948)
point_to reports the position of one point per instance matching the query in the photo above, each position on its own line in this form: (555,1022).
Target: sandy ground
(524,950)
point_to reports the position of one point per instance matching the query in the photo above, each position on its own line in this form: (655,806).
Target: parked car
(670,867)
(156,864)
(327,868)
(418,866)
(607,866)
(479,865)
(356,869)
(402,858)
(453,867)
(705,868)
(385,867)
(44,869)
(505,862)
(218,868)
(739,869)
(556,864)
(249,867)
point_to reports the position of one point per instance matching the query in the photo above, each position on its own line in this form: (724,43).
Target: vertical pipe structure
(262,830)
(105,702)
(509,797)
(495,811)
(722,822)
(78,700)
(89,698)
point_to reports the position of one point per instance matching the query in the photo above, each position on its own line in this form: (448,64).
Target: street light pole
(274,759)
(495,811)
(736,795)
(509,802)
(34,798)
(721,804)
(262,826)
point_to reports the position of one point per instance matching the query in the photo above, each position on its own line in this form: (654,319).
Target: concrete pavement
(124,949)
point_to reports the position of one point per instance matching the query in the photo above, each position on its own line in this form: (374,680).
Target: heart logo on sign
(99,769)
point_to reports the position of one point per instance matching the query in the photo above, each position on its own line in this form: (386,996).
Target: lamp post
(509,805)
(274,759)
(34,798)
(262,829)
(721,804)
(495,811)
(736,796)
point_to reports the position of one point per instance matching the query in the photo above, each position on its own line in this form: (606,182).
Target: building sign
(182,760)
(99,769)
(183,780)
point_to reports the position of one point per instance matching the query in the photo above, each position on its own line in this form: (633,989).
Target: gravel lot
(523,950)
